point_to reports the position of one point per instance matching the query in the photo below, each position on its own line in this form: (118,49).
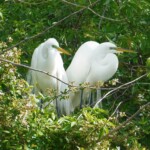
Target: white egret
(46,57)
(93,62)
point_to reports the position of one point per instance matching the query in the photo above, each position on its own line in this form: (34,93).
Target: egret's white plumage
(92,62)
(46,57)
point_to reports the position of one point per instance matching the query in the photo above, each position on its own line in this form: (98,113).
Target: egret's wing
(64,105)
(34,65)
(79,68)
(80,65)
(103,69)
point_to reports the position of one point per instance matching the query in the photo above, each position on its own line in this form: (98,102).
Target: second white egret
(93,62)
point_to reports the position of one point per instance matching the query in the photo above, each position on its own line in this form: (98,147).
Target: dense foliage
(26,24)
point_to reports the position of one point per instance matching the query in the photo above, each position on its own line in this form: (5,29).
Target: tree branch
(25,66)
(57,23)
(29,3)
(117,108)
(125,122)
(73,4)
(103,17)
(117,88)
(103,14)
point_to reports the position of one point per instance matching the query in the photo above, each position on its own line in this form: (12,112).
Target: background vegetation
(124,121)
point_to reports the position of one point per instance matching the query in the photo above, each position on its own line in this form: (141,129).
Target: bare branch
(25,66)
(117,88)
(103,14)
(44,31)
(125,122)
(117,108)
(73,4)
(110,19)
(29,3)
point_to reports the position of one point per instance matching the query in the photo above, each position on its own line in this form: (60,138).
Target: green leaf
(73,123)
(107,2)
(148,63)
(5,131)
(40,132)
(1,15)
(148,67)
(53,116)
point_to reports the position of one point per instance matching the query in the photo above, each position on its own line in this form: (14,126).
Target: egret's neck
(111,65)
(52,59)
(50,56)
(99,54)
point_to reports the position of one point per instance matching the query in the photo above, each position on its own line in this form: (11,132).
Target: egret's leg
(57,109)
(86,97)
(81,98)
(91,98)
(94,96)
(99,95)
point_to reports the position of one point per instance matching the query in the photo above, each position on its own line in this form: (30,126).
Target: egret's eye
(112,48)
(54,46)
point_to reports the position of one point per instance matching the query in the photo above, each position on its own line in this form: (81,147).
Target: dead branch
(120,87)
(73,4)
(103,17)
(125,122)
(25,66)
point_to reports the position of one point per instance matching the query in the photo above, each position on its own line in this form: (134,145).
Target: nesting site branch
(44,72)
(119,87)
(25,66)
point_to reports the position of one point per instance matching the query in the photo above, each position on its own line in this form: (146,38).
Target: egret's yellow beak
(119,49)
(61,50)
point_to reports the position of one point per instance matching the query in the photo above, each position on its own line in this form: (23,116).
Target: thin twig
(119,103)
(116,108)
(103,14)
(43,32)
(117,88)
(25,66)
(110,19)
(73,4)
(28,3)
(44,72)
(142,83)
(125,122)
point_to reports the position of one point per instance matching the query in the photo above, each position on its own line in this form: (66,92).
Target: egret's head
(112,48)
(52,43)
